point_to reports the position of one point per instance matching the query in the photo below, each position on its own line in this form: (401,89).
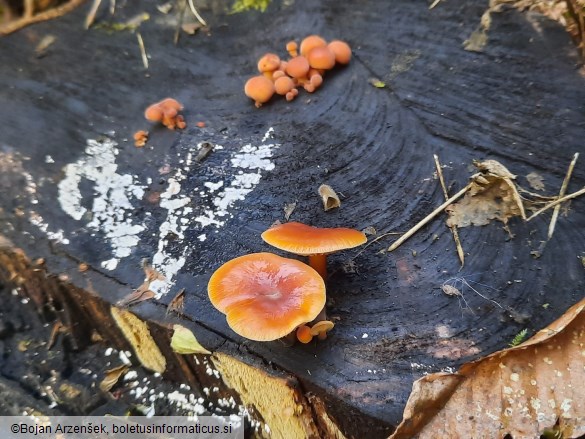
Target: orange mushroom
(260,89)
(292,48)
(283,85)
(304,334)
(321,328)
(265,296)
(298,67)
(321,58)
(341,50)
(310,42)
(166,112)
(313,242)
(140,138)
(268,64)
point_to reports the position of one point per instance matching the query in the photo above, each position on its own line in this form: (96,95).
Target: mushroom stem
(319,263)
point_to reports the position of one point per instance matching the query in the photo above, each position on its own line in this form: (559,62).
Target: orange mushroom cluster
(167,113)
(266,297)
(304,69)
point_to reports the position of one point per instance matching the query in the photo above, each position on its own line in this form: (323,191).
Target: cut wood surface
(74,189)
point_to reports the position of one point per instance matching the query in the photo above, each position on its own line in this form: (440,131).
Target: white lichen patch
(248,163)
(111,206)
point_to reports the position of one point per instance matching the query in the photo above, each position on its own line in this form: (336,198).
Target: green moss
(246,5)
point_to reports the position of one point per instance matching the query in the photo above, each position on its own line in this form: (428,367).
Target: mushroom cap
(154,113)
(306,240)
(265,296)
(341,50)
(268,63)
(310,42)
(171,103)
(283,85)
(297,67)
(259,88)
(322,326)
(321,58)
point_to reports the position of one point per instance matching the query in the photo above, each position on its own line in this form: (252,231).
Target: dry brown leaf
(176,305)
(535,181)
(289,208)
(112,377)
(519,391)
(492,195)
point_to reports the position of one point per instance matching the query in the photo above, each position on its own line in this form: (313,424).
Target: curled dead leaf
(535,181)
(520,391)
(184,342)
(112,377)
(329,197)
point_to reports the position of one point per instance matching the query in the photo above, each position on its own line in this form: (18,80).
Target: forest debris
(556,202)
(507,392)
(47,14)
(454,231)
(43,46)
(492,195)
(377,83)
(535,181)
(555,215)
(289,208)
(196,13)
(185,342)
(426,219)
(91,14)
(370,230)
(329,197)
(204,150)
(143,292)
(165,8)
(176,305)
(112,377)
(142,50)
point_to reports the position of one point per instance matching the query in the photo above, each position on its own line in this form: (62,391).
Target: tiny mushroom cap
(268,63)
(283,85)
(321,58)
(265,296)
(321,329)
(298,67)
(314,242)
(304,334)
(310,42)
(260,89)
(341,50)
(154,113)
(171,103)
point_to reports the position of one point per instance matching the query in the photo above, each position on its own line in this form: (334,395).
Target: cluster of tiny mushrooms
(165,112)
(266,297)
(304,69)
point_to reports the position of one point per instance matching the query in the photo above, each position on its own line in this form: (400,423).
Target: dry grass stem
(558,201)
(49,14)
(91,14)
(555,215)
(435,3)
(142,50)
(429,217)
(454,231)
(196,14)
(112,7)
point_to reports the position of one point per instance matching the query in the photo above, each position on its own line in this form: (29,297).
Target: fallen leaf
(377,83)
(112,377)
(519,392)
(492,195)
(289,208)
(535,181)
(184,342)
(176,305)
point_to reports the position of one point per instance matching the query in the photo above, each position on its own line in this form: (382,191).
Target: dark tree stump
(74,189)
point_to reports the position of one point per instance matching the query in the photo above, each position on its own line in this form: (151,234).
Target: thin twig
(49,14)
(112,7)
(454,231)
(435,3)
(555,215)
(196,14)
(558,201)
(91,14)
(429,217)
(181,6)
(142,50)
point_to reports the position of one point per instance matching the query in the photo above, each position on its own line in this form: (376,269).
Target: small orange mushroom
(321,328)
(313,242)
(260,89)
(283,85)
(292,48)
(265,296)
(321,58)
(341,50)
(310,42)
(166,112)
(140,138)
(298,67)
(304,334)
(268,64)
